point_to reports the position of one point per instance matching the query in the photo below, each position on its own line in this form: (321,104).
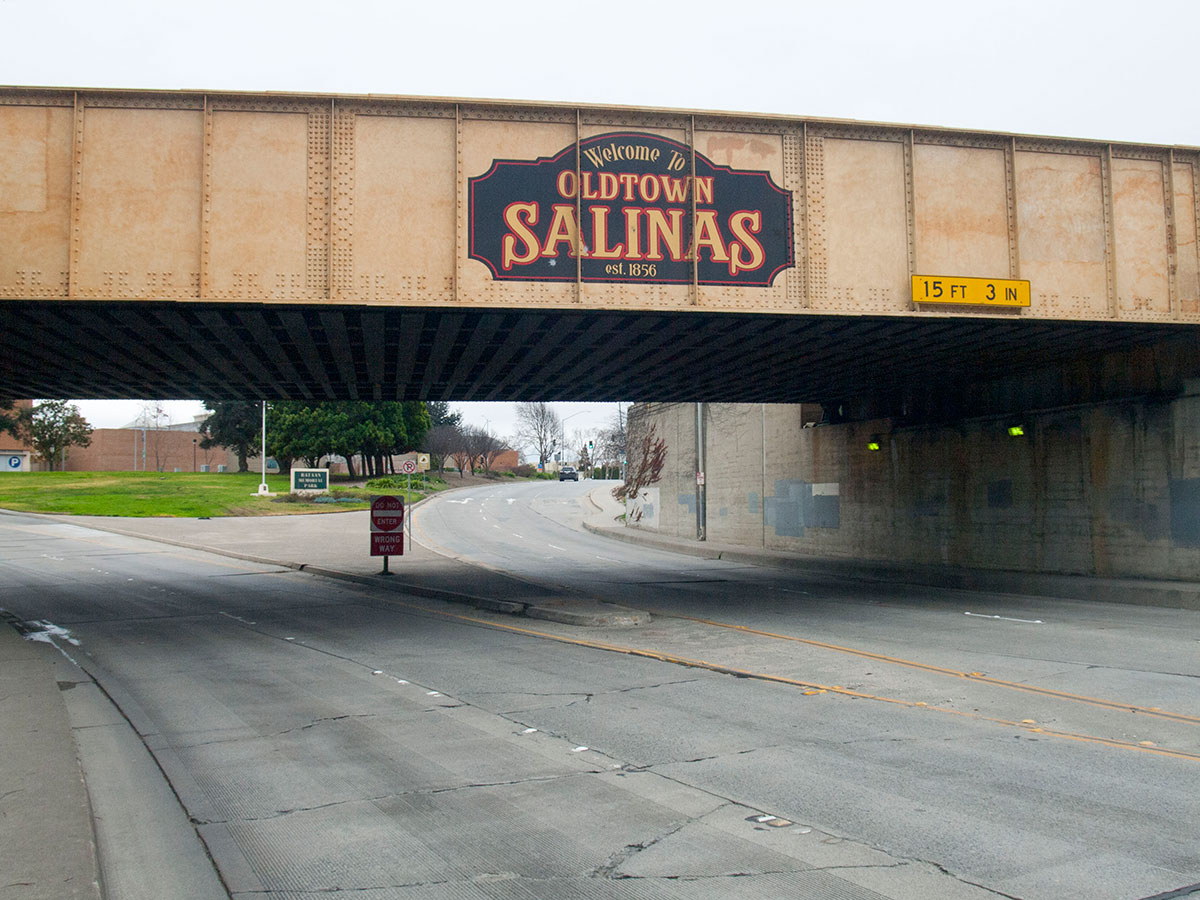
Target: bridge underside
(872,364)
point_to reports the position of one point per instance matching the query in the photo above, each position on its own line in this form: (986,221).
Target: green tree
(235,424)
(374,430)
(51,427)
(300,430)
(8,419)
(439,414)
(384,428)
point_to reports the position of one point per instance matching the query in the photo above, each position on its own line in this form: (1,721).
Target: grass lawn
(160,494)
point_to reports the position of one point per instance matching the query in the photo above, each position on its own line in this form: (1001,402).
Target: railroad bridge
(183,244)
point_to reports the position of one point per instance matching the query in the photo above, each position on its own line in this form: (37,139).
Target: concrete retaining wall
(1107,490)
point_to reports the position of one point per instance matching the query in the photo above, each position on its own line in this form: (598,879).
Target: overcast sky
(1100,69)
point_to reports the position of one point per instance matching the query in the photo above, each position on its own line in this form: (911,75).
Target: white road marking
(1006,619)
(232,616)
(553,547)
(465,500)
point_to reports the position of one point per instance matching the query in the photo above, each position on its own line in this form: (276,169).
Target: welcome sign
(625,214)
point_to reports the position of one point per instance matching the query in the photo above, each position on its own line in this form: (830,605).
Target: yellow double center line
(815,687)
(941,670)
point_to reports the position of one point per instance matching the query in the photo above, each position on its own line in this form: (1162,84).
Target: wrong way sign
(387,526)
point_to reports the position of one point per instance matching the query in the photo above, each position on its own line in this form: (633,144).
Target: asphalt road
(323,737)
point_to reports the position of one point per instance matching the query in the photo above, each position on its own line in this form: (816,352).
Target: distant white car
(568,473)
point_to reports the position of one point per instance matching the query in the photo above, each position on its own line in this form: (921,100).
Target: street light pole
(262,488)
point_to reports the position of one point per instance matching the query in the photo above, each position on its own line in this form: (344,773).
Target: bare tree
(462,459)
(645,464)
(440,442)
(482,446)
(584,443)
(610,443)
(539,427)
(152,420)
(496,445)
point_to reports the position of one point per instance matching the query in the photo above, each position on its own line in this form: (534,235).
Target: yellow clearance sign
(969,291)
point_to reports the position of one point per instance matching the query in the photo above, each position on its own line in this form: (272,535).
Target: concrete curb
(1136,592)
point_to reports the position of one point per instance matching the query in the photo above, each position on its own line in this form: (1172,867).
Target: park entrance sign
(310,481)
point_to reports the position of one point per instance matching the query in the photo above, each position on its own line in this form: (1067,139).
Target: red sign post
(387,528)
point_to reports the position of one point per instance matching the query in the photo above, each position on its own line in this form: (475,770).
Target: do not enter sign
(387,526)
(387,513)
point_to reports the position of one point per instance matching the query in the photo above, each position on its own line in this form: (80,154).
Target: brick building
(15,454)
(149,450)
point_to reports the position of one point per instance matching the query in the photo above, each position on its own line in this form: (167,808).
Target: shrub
(388,483)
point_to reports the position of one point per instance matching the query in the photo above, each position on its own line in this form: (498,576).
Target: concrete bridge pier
(1092,469)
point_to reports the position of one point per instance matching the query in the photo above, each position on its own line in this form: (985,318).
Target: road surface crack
(337,889)
(650,767)
(316,722)
(622,856)
(275,734)
(938,867)
(650,687)
(288,812)
(582,696)
(418,792)
(533,779)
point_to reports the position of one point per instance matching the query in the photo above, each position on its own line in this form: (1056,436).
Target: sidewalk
(1137,591)
(48,847)
(336,545)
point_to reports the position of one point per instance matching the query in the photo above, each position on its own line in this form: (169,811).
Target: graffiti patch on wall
(643,509)
(1185,512)
(797,505)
